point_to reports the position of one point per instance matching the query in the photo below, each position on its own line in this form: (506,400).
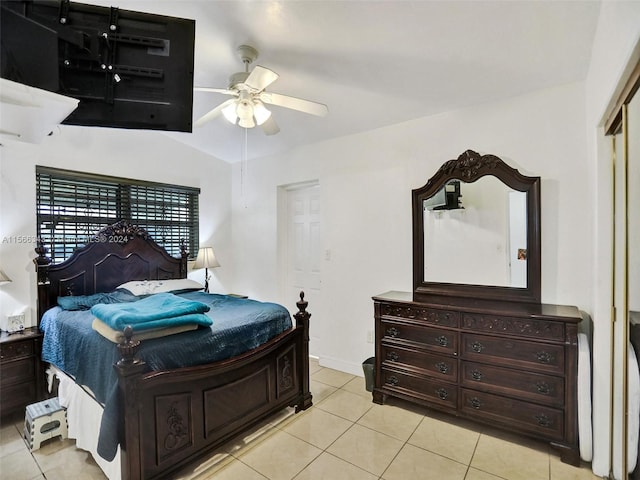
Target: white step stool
(44,420)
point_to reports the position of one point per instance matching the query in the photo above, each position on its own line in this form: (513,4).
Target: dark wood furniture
(512,365)
(173,417)
(491,353)
(21,373)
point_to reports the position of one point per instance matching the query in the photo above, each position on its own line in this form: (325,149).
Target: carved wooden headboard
(117,254)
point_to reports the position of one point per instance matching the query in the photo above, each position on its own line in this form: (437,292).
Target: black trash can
(368,367)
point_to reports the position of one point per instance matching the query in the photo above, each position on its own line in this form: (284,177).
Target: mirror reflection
(476,233)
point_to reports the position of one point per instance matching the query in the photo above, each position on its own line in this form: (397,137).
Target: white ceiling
(376,63)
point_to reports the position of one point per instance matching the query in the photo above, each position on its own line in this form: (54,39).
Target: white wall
(144,155)
(614,49)
(366,182)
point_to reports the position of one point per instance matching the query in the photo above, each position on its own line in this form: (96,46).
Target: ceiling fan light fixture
(247,122)
(260,112)
(229,113)
(244,110)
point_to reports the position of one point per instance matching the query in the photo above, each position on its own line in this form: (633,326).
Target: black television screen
(128,69)
(447,198)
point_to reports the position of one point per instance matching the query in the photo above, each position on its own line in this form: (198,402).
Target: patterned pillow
(149,287)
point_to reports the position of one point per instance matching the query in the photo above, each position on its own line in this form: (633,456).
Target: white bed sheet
(84,414)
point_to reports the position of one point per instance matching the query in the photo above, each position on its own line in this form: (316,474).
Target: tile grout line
(406,442)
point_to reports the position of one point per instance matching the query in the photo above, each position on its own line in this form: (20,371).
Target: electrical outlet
(370,336)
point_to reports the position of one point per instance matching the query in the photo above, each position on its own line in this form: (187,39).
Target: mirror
(476,229)
(486,228)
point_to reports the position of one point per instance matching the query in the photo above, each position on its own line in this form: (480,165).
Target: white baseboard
(341,365)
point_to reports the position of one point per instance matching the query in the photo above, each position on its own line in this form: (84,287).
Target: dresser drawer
(17,396)
(526,385)
(528,417)
(434,316)
(16,349)
(419,387)
(522,327)
(419,336)
(438,366)
(17,371)
(518,353)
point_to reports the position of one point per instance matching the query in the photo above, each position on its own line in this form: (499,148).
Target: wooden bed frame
(172,418)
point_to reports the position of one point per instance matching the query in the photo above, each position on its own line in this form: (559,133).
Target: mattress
(585,434)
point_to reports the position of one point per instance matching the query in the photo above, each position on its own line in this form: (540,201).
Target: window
(71,207)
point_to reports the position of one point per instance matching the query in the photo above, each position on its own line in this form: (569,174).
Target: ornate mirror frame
(469,167)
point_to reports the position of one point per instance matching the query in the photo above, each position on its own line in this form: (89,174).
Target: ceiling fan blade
(270,127)
(211,114)
(306,106)
(226,91)
(260,78)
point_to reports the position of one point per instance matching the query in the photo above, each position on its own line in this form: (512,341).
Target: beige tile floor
(344,436)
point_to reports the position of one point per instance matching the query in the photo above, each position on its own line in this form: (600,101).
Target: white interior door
(518,238)
(303,255)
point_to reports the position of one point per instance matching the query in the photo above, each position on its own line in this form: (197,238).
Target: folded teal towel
(155,311)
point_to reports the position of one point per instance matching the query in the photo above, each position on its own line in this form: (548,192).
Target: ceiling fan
(246,108)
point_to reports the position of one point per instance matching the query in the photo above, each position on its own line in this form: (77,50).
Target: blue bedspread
(74,347)
(155,311)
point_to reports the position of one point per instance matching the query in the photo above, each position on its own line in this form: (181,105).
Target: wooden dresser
(512,365)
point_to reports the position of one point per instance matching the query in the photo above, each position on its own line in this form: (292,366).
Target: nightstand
(21,373)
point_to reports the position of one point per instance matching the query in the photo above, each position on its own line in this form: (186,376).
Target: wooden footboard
(172,418)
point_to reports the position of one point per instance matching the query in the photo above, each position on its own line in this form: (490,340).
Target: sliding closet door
(632,131)
(625,149)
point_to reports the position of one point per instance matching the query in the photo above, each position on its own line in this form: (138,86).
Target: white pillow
(148,287)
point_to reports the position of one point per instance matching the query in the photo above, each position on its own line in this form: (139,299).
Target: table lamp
(206,259)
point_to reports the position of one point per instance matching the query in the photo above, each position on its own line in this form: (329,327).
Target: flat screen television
(447,198)
(128,69)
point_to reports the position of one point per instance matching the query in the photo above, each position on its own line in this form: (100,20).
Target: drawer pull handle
(476,375)
(393,356)
(442,340)
(543,388)
(475,403)
(477,347)
(442,367)
(543,357)
(442,393)
(23,350)
(393,332)
(393,380)
(543,420)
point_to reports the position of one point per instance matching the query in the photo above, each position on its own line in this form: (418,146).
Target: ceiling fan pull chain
(244,163)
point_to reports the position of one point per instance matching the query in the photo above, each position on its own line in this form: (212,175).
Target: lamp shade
(260,112)
(229,113)
(4,278)
(206,258)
